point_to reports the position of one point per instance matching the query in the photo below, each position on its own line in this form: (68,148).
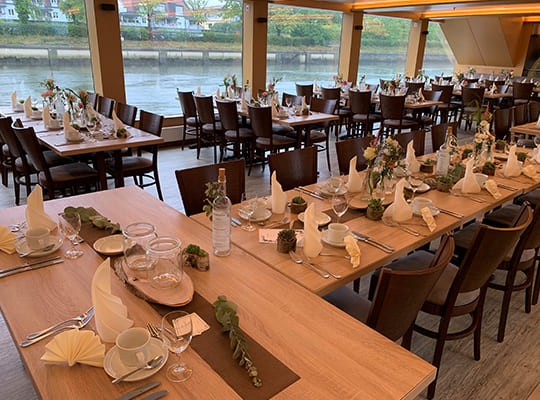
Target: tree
(74,10)
(26,9)
(231,10)
(199,14)
(149,9)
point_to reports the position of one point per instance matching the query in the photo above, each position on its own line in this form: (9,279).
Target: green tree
(197,8)
(232,10)
(149,9)
(26,10)
(74,10)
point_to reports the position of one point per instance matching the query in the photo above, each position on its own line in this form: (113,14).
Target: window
(438,57)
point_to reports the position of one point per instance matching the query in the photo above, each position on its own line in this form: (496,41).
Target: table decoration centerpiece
(500,145)
(298,205)
(286,241)
(196,257)
(375,209)
(488,168)
(427,166)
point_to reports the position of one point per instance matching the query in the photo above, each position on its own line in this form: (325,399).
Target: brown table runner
(349,215)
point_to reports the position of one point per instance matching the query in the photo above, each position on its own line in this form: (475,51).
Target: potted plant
(298,205)
(465,154)
(444,183)
(427,166)
(500,145)
(488,168)
(286,240)
(196,257)
(375,209)
(521,156)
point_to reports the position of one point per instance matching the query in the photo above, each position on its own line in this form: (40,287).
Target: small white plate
(267,214)
(423,188)
(320,217)
(342,190)
(22,247)
(110,245)
(115,368)
(324,238)
(434,211)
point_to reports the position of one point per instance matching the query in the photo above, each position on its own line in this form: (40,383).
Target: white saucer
(320,217)
(267,214)
(434,211)
(22,247)
(110,245)
(423,188)
(115,368)
(324,238)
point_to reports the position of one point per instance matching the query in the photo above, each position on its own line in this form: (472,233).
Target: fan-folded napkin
(35,212)
(243,105)
(413,166)
(530,172)
(536,157)
(538,123)
(512,167)
(110,313)
(312,235)
(353,250)
(46,116)
(28,107)
(421,95)
(199,91)
(70,132)
(279,198)
(492,188)
(304,104)
(315,86)
(117,123)
(468,184)
(399,210)
(7,240)
(14,100)
(75,346)
(274,108)
(355,181)
(218,94)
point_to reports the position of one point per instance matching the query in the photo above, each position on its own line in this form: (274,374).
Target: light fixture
(370,4)
(514,9)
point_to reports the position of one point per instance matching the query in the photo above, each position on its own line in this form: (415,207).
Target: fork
(334,255)
(17,227)
(78,325)
(467,196)
(153,331)
(391,222)
(78,318)
(274,223)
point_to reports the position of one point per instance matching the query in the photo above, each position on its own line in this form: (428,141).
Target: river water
(154,88)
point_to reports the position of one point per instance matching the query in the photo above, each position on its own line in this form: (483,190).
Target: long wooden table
(335,355)
(529,129)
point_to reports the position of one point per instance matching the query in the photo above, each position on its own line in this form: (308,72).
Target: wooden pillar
(349,53)
(417,46)
(106,48)
(254,44)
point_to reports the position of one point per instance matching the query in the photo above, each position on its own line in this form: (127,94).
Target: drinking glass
(177,330)
(340,204)
(288,103)
(136,238)
(415,184)
(70,225)
(334,183)
(249,204)
(165,259)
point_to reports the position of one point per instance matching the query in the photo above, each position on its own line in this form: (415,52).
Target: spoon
(17,227)
(334,255)
(299,260)
(391,222)
(150,364)
(277,222)
(46,248)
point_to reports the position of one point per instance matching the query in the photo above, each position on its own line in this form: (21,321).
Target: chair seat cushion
(350,302)
(132,164)
(503,217)
(244,133)
(365,118)
(397,123)
(278,140)
(74,173)
(19,165)
(316,136)
(520,101)
(532,197)
(209,128)
(191,121)
(283,130)
(53,159)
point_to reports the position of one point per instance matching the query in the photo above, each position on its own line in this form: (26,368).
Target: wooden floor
(509,370)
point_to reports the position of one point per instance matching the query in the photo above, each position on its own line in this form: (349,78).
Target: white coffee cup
(419,203)
(133,346)
(337,232)
(37,238)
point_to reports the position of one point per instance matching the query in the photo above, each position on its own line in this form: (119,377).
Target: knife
(140,390)
(373,242)
(308,192)
(453,214)
(2,271)
(155,395)
(31,268)
(236,221)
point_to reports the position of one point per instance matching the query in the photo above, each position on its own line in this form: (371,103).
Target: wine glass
(415,184)
(249,204)
(288,103)
(70,225)
(340,204)
(177,331)
(334,183)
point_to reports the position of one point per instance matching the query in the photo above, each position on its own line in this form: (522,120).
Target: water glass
(340,205)
(249,204)
(177,331)
(164,257)
(136,238)
(70,225)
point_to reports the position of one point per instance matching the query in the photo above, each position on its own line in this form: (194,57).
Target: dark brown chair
(502,122)
(191,123)
(446,110)
(372,87)
(5,159)
(438,134)
(294,168)
(305,91)
(140,167)
(471,81)
(361,115)
(265,139)
(398,298)
(105,106)
(295,100)
(534,111)
(192,183)
(321,132)
(347,149)
(418,138)
(429,114)
(522,92)
(520,114)
(343,113)
(93,99)
(471,98)
(126,113)
(210,129)
(414,87)
(240,137)
(392,112)
(56,178)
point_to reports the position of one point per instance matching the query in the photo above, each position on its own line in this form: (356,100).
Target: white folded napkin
(355,181)
(199,91)
(110,313)
(46,116)
(279,198)
(493,88)
(413,166)
(315,86)
(468,184)
(274,108)
(530,172)
(353,250)
(304,104)
(35,211)
(492,188)
(28,107)
(512,167)
(7,240)
(75,346)
(117,123)
(70,132)
(230,93)
(536,156)
(399,210)
(312,235)
(421,95)
(243,105)
(14,99)
(218,94)
(538,123)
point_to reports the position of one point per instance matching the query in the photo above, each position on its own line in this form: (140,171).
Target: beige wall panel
(255,42)
(462,42)
(491,41)
(350,45)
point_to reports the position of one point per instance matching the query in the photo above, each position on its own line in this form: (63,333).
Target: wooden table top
(526,129)
(298,120)
(335,355)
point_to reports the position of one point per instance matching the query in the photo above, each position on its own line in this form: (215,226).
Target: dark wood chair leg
(510,277)
(356,285)
(536,291)
(158,185)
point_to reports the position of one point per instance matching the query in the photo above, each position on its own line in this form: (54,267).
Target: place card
(270,235)
(181,325)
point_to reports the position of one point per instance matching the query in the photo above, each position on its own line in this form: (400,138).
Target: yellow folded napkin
(413,166)
(199,91)
(7,240)
(75,346)
(353,250)
(399,210)
(243,105)
(512,167)
(304,104)
(312,235)
(110,312)
(427,216)
(46,116)
(36,217)
(492,188)
(315,86)
(530,172)
(468,184)
(14,100)
(355,181)
(28,107)
(279,198)
(274,108)
(70,132)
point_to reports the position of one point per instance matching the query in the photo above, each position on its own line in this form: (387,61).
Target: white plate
(267,214)
(110,245)
(324,238)
(115,368)
(423,188)
(342,190)
(434,211)
(320,217)
(22,247)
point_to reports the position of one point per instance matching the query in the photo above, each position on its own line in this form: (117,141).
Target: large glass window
(303,45)
(438,57)
(182,44)
(40,39)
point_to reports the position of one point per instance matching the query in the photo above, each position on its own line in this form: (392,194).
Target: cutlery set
(310,192)
(30,266)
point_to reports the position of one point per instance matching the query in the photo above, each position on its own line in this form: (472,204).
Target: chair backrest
(295,100)
(438,134)
(521,114)
(330,93)
(469,95)
(414,87)
(432,95)
(205,109)
(470,81)
(360,102)
(228,115)
(261,122)
(529,240)
(93,99)
(151,123)
(347,149)
(30,143)
(502,122)
(126,113)
(192,183)
(187,103)
(305,91)
(294,168)
(8,137)
(372,87)
(418,138)
(534,111)
(326,106)
(105,106)
(444,78)
(522,91)
(446,90)
(400,294)
(392,107)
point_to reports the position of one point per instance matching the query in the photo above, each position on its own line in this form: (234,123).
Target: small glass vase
(367,185)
